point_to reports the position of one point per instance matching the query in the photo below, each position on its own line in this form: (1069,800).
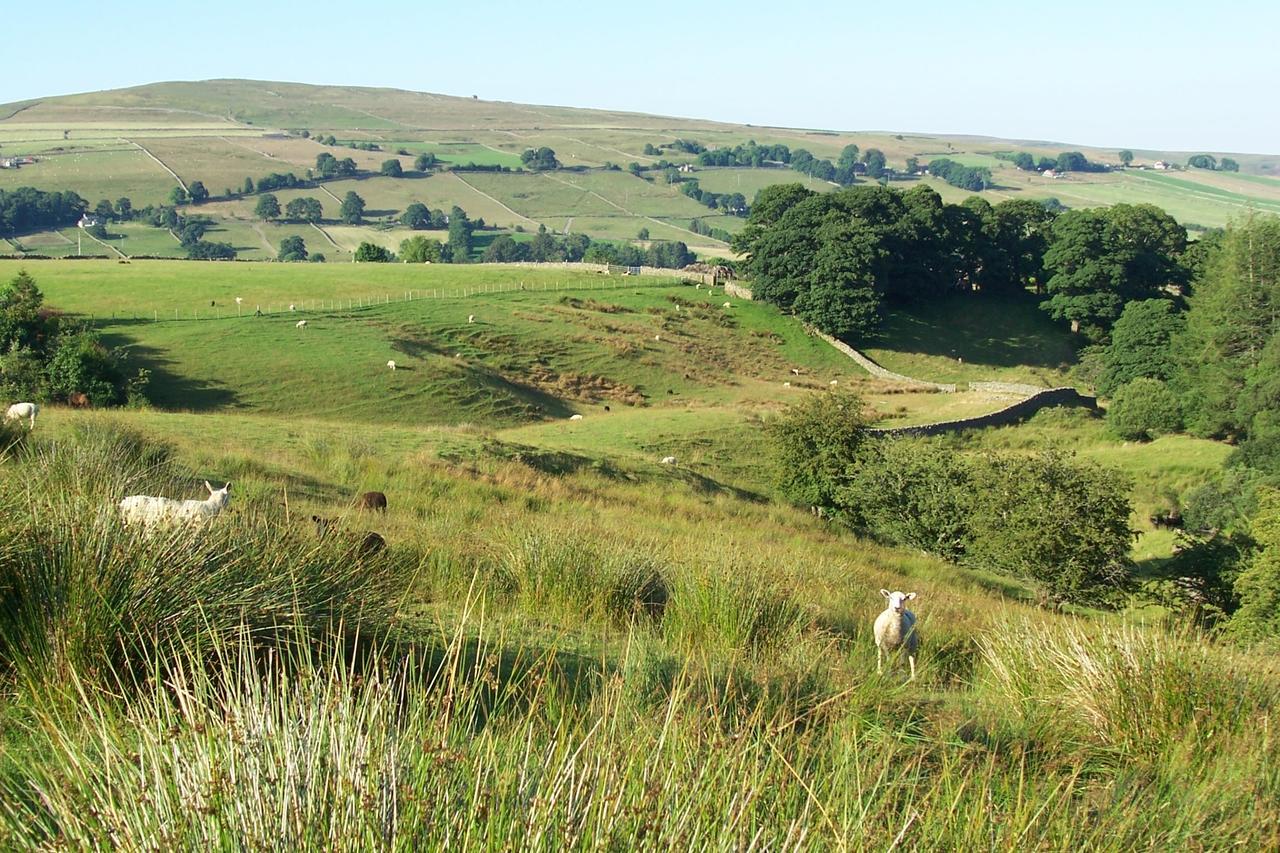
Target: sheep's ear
(910,596)
(207,486)
(885,593)
(315,518)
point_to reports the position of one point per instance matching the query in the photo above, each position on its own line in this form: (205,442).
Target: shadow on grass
(989,331)
(168,389)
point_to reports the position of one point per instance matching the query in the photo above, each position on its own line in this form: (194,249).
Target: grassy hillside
(133,141)
(566,642)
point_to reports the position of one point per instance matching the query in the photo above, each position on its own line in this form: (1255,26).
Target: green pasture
(107,173)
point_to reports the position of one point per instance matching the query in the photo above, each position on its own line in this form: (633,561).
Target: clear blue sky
(1119,74)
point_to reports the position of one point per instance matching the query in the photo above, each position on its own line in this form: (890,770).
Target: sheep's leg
(912,660)
(879,661)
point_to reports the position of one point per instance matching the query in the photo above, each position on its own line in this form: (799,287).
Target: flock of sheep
(894,629)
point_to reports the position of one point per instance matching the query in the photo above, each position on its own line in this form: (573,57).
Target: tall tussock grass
(529,668)
(80,593)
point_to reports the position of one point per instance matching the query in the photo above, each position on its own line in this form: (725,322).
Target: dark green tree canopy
(352,209)
(292,249)
(268,207)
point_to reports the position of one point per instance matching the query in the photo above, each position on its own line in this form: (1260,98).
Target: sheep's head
(219,496)
(896,599)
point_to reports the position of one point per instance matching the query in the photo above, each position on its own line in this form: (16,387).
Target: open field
(566,642)
(104,173)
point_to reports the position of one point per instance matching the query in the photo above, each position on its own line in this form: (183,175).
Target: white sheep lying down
(147,511)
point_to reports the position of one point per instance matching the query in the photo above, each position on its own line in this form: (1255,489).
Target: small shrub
(1144,409)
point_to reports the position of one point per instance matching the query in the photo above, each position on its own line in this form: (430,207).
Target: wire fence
(218,311)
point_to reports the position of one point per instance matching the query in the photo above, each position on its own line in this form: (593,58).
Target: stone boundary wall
(1011,414)
(737,290)
(1006,388)
(878,371)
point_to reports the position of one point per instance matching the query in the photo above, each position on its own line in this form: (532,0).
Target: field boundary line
(494,200)
(103,243)
(332,242)
(144,150)
(630,212)
(254,150)
(325,190)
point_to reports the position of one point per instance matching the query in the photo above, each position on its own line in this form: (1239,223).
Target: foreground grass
(607,655)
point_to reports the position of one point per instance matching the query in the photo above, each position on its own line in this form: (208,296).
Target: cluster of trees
(697,226)
(30,209)
(834,258)
(540,160)
(732,203)
(973,178)
(543,248)
(1067,161)
(1061,524)
(1208,161)
(328,166)
(420,217)
(751,154)
(44,356)
(294,249)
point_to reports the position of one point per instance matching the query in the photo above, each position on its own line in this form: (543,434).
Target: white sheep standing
(668,460)
(301,324)
(292,307)
(895,629)
(149,511)
(786,384)
(835,382)
(20,411)
(471,318)
(575,417)
(728,305)
(391,364)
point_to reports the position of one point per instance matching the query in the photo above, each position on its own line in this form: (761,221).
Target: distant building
(1161,165)
(685,167)
(1049,173)
(89,220)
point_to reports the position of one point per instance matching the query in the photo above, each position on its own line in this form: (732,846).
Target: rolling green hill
(140,142)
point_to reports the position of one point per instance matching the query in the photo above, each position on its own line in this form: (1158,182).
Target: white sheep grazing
(301,324)
(292,307)
(391,364)
(668,460)
(148,511)
(657,337)
(575,417)
(728,305)
(835,382)
(795,371)
(20,411)
(896,629)
(786,384)
(471,318)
